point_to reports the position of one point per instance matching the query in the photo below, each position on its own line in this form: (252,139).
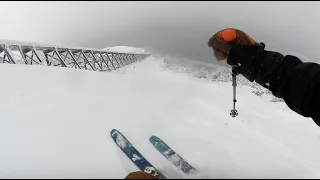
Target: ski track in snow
(55,123)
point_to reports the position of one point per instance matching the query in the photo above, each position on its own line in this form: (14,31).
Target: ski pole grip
(235,70)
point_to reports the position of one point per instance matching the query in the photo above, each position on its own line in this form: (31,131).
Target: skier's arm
(287,77)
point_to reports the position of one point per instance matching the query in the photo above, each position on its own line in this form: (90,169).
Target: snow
(55,123)
(126,49)
(136,157)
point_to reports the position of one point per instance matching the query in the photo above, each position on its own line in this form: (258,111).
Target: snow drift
(126,49)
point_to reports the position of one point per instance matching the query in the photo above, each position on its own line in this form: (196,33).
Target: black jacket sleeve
(287,77)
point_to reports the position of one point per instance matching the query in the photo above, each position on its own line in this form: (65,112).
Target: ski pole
(234,74)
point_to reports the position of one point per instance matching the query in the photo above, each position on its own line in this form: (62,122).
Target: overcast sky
(174,28)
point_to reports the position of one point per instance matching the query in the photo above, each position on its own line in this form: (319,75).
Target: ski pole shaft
(234,84)
(235,72)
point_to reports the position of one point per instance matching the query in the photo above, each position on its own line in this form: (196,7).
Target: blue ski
(172,156)
(134,154)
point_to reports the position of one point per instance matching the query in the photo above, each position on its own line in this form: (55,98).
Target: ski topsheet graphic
(134,154)
(172,156)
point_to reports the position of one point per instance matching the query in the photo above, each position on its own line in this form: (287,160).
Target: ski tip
(112,131)
(153,138)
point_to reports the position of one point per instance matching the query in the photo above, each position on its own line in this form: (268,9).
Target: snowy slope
(55,123)
(126,49)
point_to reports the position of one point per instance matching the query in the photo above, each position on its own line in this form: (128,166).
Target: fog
(179,29)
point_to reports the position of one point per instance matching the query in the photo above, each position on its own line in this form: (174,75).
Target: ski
(134,154)
(172,156)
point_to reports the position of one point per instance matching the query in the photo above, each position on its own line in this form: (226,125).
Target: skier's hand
(232,45)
